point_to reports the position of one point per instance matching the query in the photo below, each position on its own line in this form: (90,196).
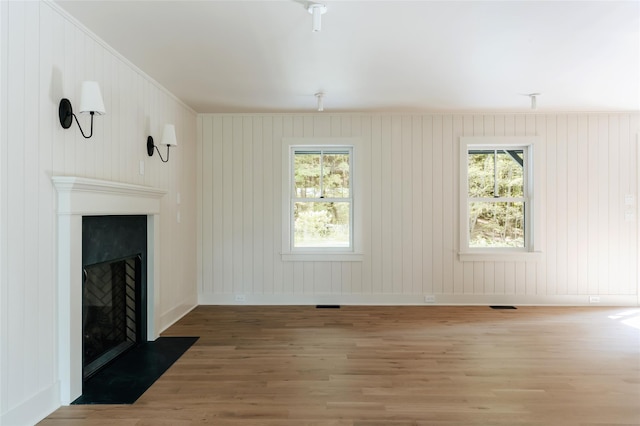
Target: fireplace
(78,199)
(114,258)
(110,312)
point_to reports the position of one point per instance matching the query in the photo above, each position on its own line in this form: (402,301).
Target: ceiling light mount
(317,10)
(320,97)
(534,100)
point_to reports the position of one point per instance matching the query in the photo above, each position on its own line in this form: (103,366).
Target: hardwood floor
(427,365)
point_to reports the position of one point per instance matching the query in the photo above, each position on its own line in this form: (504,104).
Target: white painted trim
(500,256)
(638,214)
(442,113)
(174,315)
(34,409)
(416,299)
(79,197)
(354,255)
(324,257)
(533,173)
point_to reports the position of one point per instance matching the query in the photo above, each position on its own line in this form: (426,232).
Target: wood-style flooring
(421,365)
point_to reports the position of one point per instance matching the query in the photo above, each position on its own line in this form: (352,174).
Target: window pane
(496,173)
(495,224)
(481,174)
(510,173)
(307,174)
(336,175)
(321,224)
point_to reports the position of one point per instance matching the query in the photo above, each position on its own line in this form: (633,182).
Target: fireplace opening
(110,311)
(114,290)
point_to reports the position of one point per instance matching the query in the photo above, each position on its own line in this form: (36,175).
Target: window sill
(499,256)
(322,257)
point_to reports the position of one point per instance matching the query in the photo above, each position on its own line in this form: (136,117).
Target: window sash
(294,199)
(496,227)
(489,145)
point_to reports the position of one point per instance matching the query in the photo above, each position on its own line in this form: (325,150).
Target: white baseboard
(414,299)
(33,409)
(174,315)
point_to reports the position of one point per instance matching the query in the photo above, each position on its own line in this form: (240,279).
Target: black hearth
(114,257)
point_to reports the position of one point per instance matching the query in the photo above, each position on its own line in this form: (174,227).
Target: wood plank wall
(410,194)
(45,55)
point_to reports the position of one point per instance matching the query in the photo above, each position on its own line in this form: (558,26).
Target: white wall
(44,56)
(411,210)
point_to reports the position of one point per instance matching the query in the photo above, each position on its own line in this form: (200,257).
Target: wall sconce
(90,102)
(168,139)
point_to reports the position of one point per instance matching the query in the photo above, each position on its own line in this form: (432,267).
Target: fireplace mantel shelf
(79,195)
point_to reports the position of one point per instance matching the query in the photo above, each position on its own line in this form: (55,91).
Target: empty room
(288,212)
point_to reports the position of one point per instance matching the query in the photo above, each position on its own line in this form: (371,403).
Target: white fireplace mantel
(78,197)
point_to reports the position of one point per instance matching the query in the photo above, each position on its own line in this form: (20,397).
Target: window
(496,196)
(319,201)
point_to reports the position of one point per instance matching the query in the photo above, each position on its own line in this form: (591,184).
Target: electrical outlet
(241,298)
(430,298)
(629,200)
(594,299)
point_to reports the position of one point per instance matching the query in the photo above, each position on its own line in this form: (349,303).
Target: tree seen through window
(496,198)
(322,198)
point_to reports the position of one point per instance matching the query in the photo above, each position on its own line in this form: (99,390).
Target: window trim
(329,254)
(531,251)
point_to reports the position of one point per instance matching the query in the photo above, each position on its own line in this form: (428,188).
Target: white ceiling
(261,56)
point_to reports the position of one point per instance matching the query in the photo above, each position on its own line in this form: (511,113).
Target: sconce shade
(168,139)
(169,135)
(90,102)
(91,98)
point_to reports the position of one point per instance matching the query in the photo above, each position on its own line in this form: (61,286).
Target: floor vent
(327,306)
(503,307)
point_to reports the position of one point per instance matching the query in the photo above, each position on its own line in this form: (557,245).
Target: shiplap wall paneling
(45,197)
(426,164)
(437,191)
(45,55)
(377,203)
(4,276)
(451,279)
(557,199)
(629,182)
(553,227)
(15,260)
(357,280)
(410,198)
(582,213)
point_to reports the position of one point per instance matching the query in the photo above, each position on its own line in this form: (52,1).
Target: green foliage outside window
(322,205)
(496,198)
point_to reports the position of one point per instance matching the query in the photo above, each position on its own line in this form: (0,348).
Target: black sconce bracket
(66,116)
(151,146)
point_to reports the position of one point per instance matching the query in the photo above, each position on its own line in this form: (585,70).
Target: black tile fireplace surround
(114,259)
